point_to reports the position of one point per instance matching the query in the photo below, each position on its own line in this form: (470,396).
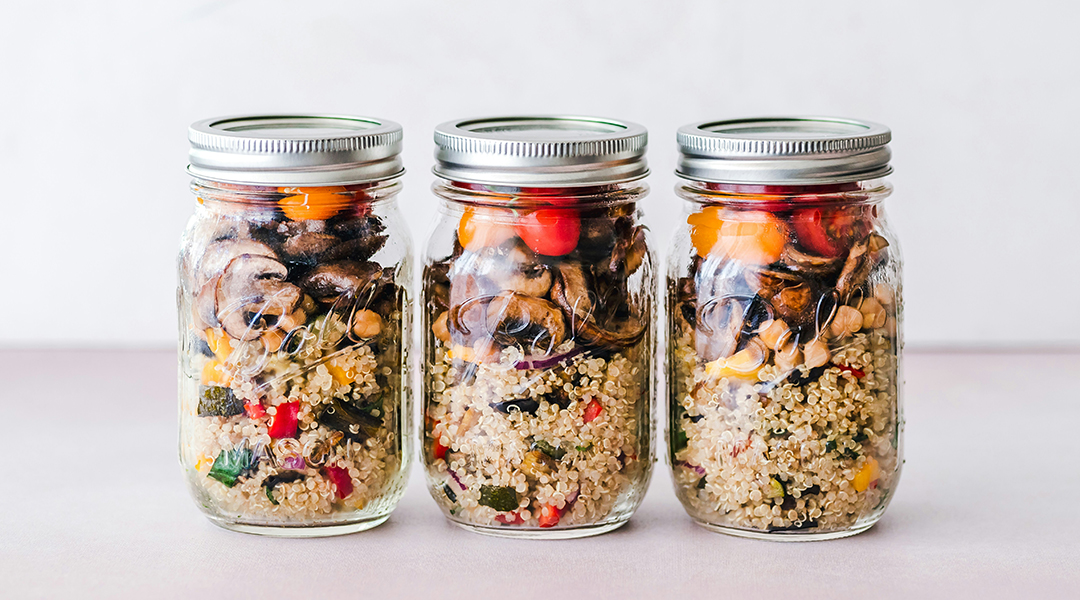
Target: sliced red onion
(293,462)
(571,498)
(454,476)
(692,467)
(547,363)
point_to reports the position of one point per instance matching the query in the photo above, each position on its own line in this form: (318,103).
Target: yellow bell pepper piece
(219,342)
(866,475)
(212,375)
(340,375)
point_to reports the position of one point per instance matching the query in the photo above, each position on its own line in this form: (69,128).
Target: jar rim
(295,149)
(800,150)
(541,150)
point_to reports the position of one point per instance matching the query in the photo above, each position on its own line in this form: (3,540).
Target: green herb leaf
(231,464)
(553,451)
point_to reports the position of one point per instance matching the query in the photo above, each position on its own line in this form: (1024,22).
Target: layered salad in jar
(783,364)
(538,365)
(291,403)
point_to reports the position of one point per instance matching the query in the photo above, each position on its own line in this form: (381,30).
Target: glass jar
(538,327)
(784,328)
(294,279)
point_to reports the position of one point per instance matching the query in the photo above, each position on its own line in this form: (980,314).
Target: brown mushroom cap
(309,244)
(332,280)
(219,254)
(532,323)
(571,292)
(468,321)
(855,271)
(252,296)
(509,267)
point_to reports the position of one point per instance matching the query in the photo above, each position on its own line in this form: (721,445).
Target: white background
(95,99)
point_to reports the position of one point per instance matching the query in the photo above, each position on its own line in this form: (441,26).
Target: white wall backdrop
(981,96)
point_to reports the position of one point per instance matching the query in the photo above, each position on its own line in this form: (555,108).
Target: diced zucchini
(501,498)
(217,401)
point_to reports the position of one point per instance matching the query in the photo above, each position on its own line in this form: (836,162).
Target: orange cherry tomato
(482,227)
(550,231)
(316,203)
(751,237)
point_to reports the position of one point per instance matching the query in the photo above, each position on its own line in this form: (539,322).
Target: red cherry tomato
(827,232)
(549,231)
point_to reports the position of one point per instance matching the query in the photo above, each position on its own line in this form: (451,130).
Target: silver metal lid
(295,149)
(564,151)
(784,150)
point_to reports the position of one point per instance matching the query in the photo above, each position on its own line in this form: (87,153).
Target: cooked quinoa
(314,376)
(590,413)
(788,449)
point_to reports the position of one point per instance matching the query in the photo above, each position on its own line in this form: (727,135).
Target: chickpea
(873,314)
(774,333)
(816,354)
(847,321)
(788,356)
(440,329)
(366,324)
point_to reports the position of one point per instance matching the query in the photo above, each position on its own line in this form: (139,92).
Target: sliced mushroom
(332,280)
(363,237)
(792,302)
(309,245)
(253,296)
(635,254)
(535,324)
(597,238)
(856,269)
(570,290)
(219,254)
(520,271)
(806,262)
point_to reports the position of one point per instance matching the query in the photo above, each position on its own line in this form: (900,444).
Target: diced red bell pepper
(284,423)
(439,450)
(340,478)
(593,410)
(254,410)
(549,516)
(858,373)
(509,518)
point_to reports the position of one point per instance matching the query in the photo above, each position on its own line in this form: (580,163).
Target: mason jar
(784,327)
(538,333)
(294,283)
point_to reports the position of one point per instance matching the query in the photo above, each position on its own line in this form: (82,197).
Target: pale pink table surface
(92,504)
